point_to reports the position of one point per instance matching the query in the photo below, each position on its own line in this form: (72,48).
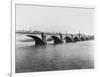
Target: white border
(54,4)
(13,38)
(13,3)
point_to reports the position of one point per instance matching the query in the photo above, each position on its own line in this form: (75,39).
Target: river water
(65,56)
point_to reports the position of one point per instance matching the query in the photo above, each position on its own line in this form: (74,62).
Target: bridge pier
(43,36)
(72,38)
(61,37)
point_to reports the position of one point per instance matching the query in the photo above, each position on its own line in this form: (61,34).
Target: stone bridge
(42,38)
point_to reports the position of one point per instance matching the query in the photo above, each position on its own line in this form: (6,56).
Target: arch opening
(38,41)
(82,39)
(56,40)
(87,38)
(76,39)
(68,39)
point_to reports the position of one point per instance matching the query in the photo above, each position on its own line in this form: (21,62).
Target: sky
(55,19)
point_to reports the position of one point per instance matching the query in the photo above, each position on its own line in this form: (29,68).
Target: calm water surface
(66,56)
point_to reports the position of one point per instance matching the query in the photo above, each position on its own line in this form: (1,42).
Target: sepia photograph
(53,38)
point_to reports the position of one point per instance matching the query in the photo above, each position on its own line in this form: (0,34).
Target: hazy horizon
(54,19)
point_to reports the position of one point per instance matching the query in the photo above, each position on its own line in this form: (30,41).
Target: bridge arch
(56,39)
(76,39)
(68,39)
(87,38)
(38,41)
(82,39)
(91,38)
